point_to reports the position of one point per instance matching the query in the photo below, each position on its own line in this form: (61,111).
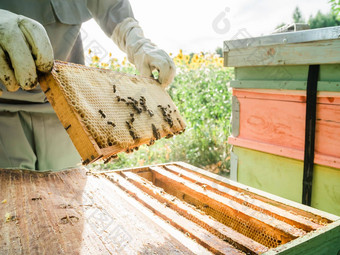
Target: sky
(196,25)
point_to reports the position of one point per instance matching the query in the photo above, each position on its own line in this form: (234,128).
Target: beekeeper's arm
(24,48)
(117,21)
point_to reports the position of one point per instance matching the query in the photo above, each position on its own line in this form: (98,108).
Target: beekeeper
(32,34)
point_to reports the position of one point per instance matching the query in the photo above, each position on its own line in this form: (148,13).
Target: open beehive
(106,112)
(172,208)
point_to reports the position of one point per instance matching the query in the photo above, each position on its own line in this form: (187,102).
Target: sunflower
(95,58)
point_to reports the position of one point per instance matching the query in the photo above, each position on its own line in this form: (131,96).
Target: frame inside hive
(107,112)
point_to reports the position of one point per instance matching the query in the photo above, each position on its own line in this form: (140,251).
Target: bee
(111,123)
(118,98)
(102,114)
(123,100)
(114,88)
(151,142)
(132,114)
(169,136)
(155,132)
(132,120)
(128,124)
(137,109)
(132,134)
(85,162)
(150,113)
(110,158)
(180,123)
(168,105)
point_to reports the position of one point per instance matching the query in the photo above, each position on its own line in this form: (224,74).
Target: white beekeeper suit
(32,34)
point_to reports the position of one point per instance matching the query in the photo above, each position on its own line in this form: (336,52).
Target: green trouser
(35,141)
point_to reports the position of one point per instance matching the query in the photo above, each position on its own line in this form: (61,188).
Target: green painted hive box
(269,113)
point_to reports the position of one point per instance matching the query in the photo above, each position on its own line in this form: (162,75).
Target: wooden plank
(227,211)
(201,235)
(328,73)
(274,73)
(317,52)
(70,212)
(324,241)
(275,121)
(86,145)
(283,177)
(218,229)
(319,217)
(324,97)
(286,85)
(249,201)
(328,161)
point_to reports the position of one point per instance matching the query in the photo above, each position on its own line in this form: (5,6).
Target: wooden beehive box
(269,109)
(106,112)
(172,208)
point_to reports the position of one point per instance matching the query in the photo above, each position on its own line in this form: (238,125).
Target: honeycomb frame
(106,112)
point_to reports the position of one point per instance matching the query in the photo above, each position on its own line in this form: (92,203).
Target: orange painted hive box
(269,113)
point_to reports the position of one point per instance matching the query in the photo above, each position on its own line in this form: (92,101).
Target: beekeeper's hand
(24,49)
(141,52)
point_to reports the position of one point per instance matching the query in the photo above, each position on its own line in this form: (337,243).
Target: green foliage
(320,20)
(335,8)
(280,25)
(219,51)
(323,20)
(297,16)
(204,100)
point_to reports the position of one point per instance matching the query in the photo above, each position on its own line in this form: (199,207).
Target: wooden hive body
(269,109)
(172,208)
(106,112)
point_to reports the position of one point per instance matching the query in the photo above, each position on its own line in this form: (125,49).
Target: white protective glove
(141,52)
(24,48)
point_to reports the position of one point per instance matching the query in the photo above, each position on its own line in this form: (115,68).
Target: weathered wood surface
(286,77)
(74,213)
(287,85)
(172,208)
(317,52)
(328,73)
(273,121)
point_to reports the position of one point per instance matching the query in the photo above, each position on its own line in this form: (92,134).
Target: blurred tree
(297,16)
(281,25)
(335,8)
(219,51)
(323,20)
